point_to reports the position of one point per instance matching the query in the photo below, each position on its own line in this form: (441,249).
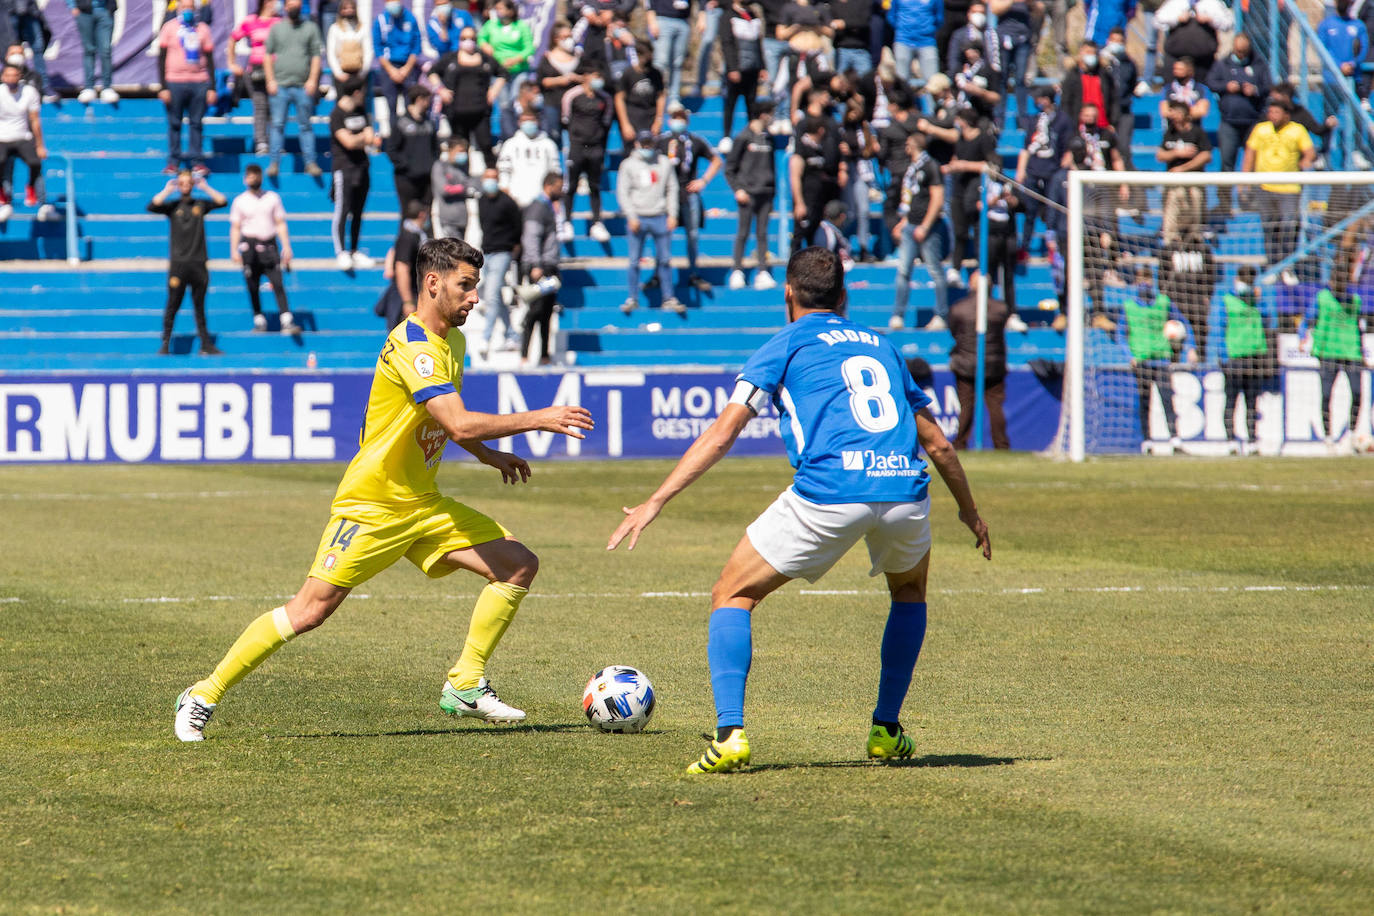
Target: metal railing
(1274,26)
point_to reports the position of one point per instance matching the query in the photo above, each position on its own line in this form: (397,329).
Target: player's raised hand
(565,420)
(980,531)
(635,521)
(513,468)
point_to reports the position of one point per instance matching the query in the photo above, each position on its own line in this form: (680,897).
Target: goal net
(1217,314)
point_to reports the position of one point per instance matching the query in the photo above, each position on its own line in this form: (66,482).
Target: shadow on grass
(929,760)
(474,729)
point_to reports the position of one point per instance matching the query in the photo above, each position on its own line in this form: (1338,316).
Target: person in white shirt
(21,137)
(526,157)
(260,245)
(347,46)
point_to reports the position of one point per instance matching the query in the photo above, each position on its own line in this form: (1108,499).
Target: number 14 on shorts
(343,536)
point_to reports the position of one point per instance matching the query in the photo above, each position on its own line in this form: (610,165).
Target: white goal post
(1174,252)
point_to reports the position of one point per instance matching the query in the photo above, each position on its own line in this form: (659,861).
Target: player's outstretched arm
(700,457)
(463,425)
(946,461)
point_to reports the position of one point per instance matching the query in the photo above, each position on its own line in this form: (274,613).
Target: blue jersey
(848,408)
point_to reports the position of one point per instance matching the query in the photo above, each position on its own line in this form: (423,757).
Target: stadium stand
(105,312)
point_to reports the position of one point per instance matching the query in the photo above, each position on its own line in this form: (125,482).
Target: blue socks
(729,650)
(906,630)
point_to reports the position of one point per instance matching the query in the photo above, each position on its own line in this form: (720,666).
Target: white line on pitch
(810,592)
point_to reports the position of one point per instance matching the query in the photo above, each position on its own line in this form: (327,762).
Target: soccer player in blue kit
(852,420)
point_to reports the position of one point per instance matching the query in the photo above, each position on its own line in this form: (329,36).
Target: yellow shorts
(353,551)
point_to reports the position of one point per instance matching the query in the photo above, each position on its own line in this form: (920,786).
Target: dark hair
(758,109)
(352,84)
(1186,60)
(253,169)
(810,125)
(417,92)
(1281,104)
(1283,88)
(899,96)
(442,256)
(414,208)
(1178,105)
(816,277)
(834,211)
(554,177)
(1087,43)
(1246,274)
(644,48)
(261,4)
(968,116)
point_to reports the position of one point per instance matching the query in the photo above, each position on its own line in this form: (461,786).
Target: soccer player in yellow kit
(387,505)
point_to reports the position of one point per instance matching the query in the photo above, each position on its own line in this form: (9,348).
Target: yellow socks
(263,636)
(495,609)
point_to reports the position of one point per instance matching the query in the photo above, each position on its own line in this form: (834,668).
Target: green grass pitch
(1158,697)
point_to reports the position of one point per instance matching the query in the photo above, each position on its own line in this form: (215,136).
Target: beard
(452,308)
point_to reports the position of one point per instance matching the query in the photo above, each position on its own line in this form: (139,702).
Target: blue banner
(316,416)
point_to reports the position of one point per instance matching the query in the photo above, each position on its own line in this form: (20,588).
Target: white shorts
(802,539)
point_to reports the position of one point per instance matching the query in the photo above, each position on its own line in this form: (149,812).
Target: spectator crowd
(895,105)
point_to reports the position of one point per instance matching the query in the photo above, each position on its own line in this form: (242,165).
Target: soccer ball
(1174,330)
(618,699)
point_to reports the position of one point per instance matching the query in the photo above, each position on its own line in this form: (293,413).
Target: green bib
(1337,334)
(1244,328)
(1145,329)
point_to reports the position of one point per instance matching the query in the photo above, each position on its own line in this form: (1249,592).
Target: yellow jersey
(1279,151)
(400,444)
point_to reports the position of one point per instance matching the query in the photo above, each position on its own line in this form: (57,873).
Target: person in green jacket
(1151,351)
(507,38)
(1334,339)
(1251,358)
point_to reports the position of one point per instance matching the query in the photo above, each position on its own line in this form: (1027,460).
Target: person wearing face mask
(539,257)
(187,256)
(975,85)
(292,68)
(527,98)
(30,28)
(647,191)
(558,71)
(525,159)
(1125,74)
(396,41)
(1251,365)
(1038,162)
(351,139)
(1089,83)
(975,31)
(502,224)
(452,187)
(186,60)
(95,25)
(640,97)
(413,148)
(252,79)
(1241,83)
(204,11)
(21,137)
(587,113)
(348,46)
(261,246)
(686,151)
(510,42)
(1151,354)
(445,23)
(470,81)
(1104,15)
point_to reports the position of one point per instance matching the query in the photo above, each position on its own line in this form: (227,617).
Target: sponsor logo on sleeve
(424,365)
